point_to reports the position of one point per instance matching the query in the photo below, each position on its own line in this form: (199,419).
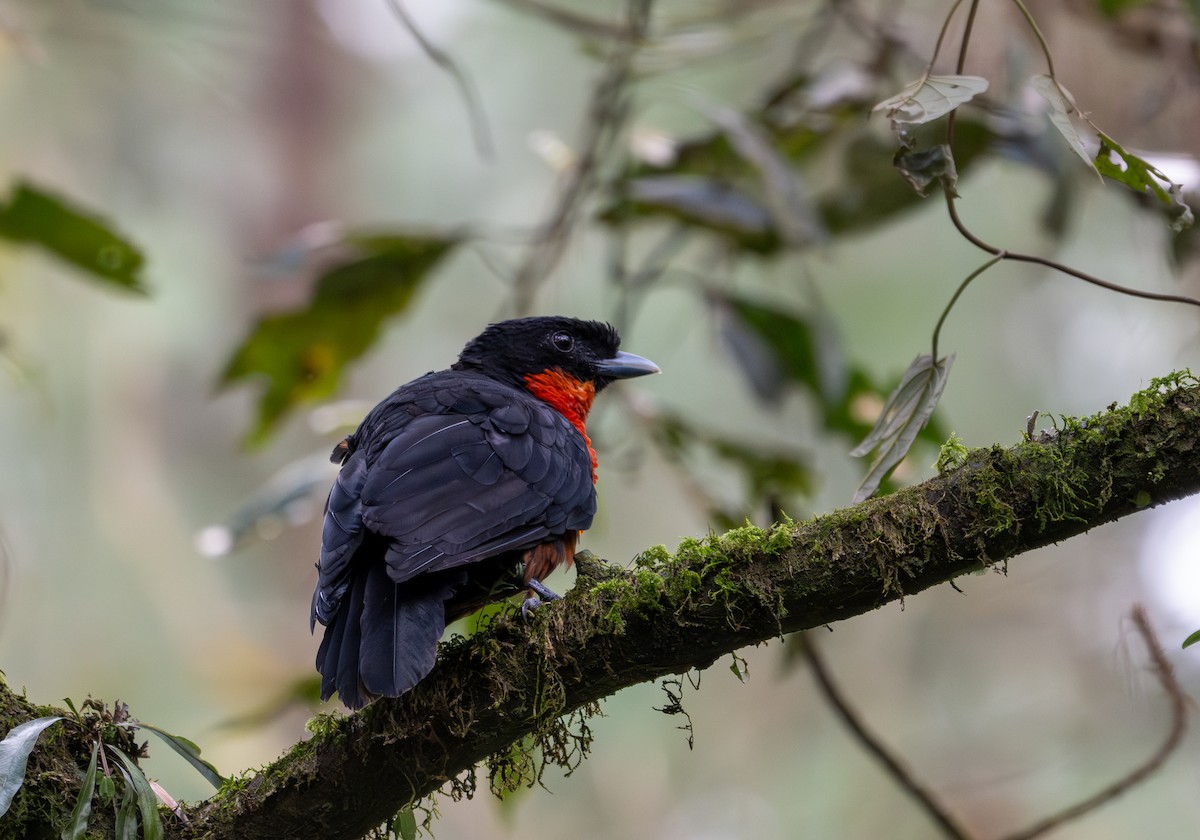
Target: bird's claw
(541,594)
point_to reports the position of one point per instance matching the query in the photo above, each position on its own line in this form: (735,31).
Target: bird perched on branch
(462,487)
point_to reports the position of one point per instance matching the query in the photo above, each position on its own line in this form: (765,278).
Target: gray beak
(626,366)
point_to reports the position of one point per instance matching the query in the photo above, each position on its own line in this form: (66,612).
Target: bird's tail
(384,637)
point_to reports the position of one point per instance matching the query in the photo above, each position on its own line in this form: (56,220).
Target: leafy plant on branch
(108,735)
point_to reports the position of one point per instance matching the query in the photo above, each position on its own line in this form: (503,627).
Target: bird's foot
(541,594)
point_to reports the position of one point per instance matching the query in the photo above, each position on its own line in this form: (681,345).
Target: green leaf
(126,827)
(775,348)
(77,825)
(930,97)
(404,824)
(303,354)
(770,346)
(922,167)
(705,202)
(1114,8)
(147,800)
(14,755)
(903,416)
(785,196)
(189,751)
(1140,176)
(1192,639)
(768,474)
(106,789)
(1062,105)
(75,235)
(867,195)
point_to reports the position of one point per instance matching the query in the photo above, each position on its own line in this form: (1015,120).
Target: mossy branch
(671,612)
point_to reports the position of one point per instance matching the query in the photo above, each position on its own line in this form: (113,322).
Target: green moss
(563,742)
(682,583)
(1149,401)
(952,455)
(780,536)
(751,541)
(649,587)
(234,786)
(653,557)
(325,724)
(691,552)
(737,540)
(639,594)
(720,566)
(993,487)
(514,767)
(1062,483)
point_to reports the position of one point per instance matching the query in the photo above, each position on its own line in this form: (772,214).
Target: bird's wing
(492,470)
(457,488)
(341,535)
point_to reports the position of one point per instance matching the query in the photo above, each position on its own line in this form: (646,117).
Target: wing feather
(470,487)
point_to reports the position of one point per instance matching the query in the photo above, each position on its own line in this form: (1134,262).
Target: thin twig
(606,115)
(962,287)
(937,47)
(899,773)
(475,114)
(1162,669)
(958,69)
(1041,39)
(1016,256)
(966,38)
(570,21)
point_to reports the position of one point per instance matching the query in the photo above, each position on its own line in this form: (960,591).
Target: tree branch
(673,612)
(869,741)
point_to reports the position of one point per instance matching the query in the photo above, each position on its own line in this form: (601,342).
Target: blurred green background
(215,136)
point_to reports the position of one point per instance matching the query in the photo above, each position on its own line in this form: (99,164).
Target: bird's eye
(562,342)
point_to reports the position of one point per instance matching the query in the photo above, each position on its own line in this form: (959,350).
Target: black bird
(462,487)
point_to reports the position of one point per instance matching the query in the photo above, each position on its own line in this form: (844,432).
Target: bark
(671,612)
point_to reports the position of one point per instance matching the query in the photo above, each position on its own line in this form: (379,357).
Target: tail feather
(383,639)
(401,625)
(338,655)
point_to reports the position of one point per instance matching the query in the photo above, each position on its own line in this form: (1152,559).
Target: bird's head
(584,352)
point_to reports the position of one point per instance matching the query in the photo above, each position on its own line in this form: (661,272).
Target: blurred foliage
(762,183)
(302,354)
(795,166)
(769,475)
(302,693)
(33,216)
(778,350)
(1113,8)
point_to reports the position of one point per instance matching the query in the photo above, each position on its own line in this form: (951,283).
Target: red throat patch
(570,397)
